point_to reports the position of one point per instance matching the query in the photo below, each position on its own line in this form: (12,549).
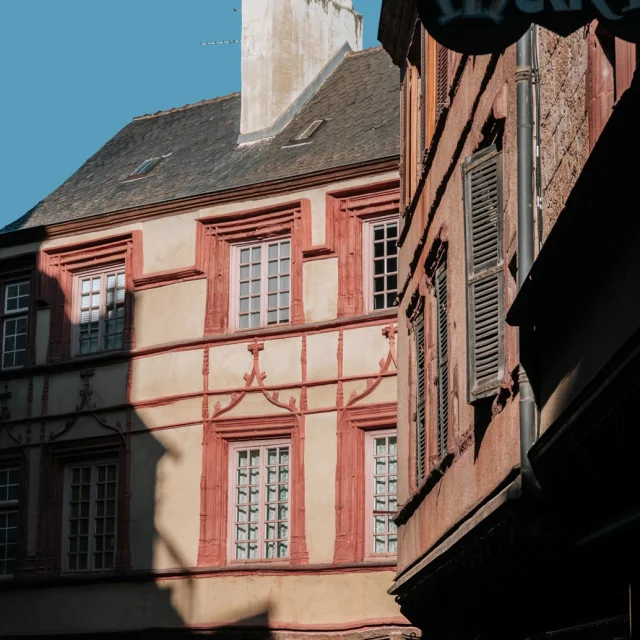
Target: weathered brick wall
(563,117)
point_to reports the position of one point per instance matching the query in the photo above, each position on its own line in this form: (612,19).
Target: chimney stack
(289,47)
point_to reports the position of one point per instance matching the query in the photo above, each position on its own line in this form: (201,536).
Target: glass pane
(244,256)
(273,251)
(284,249)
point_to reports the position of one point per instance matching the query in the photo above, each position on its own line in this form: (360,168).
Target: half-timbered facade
(198,422)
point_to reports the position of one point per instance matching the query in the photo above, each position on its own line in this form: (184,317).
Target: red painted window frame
(353,424)
(214,485)
(57,269)
(56,456)
(346,212)
(215,238)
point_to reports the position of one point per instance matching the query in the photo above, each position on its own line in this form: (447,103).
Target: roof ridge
(165,112)
(364,51)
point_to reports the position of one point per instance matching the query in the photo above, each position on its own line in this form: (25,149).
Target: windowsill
(429,483)
(136,575)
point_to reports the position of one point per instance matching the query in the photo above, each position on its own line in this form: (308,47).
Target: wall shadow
(42,599)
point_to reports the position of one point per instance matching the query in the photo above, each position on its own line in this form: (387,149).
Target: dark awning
(477,27)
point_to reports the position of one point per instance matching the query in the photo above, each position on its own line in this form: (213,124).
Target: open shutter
(442,346)
(421,438)
(442,78)
(485,274)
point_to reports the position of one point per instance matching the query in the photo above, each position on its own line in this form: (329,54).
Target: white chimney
(289,47)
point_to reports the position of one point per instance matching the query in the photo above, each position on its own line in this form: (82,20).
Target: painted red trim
(346,212)
(53,459)
(214,238)
(271,333)
(200,573)
(236,194)
(164,278)
(350,475)
(58,265)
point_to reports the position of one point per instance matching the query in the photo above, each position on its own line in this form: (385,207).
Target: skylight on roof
(145,168)
(309,131)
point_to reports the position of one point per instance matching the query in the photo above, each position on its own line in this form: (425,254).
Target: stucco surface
(179,412)
(169,243)
(280,360)
(227,365)
(322,356)
(320,286)
(255,404)
(305,599)
(320,456)
(171,313)
(363,349)
(177,497)
(322,396)
(167,374)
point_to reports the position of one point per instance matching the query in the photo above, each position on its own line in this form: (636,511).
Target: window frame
(66,488)
(234,284)
(7,506)
(368,260)
(370,437)
(16,314)
(263,445)
(76,297)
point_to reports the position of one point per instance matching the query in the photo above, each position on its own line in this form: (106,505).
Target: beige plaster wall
(315,600)
(280,360)
(320,287)
(323,396)
(320,458)
(227,365)
(322,356)
(171,313)
(169,243)
(167,374)
(363,349)
(180,412)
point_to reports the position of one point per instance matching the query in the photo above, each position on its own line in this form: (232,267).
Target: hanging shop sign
(478,27)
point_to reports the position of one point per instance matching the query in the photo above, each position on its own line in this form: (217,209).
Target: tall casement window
(485,277)
(380,253)
(259,501)
(99,310)
(90,516)
(9,503)
(261,286)
(420,394)
(382,503)
(442,360)
(15,323)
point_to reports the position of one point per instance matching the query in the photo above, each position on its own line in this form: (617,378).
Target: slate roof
(360,100)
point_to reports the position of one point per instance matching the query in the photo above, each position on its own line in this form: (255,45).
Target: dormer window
(145,168)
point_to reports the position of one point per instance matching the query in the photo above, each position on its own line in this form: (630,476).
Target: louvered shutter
(485,272)
(421,437)
(442,348)
(442,78)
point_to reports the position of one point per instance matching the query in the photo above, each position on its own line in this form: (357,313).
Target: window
(381,263)
(420,414)
(263,277)
(259,501)
(100,310)
(90,518)
(15,324)
(382,480)
(485,279)
(9,500)
(442,356)
(145,168)
(442,78)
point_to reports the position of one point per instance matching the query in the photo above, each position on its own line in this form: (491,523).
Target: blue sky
(74,72)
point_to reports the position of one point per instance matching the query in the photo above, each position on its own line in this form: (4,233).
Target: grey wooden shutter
(442,78)
(421,437)
(442,349)
(485,273)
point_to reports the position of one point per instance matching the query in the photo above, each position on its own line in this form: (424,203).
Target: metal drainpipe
(524,97)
